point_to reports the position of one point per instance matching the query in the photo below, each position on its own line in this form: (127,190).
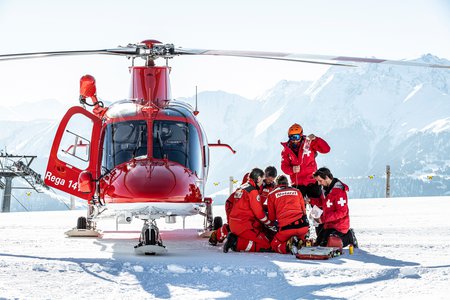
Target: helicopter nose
(151,181)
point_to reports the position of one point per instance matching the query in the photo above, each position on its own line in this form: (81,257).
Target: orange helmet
(295,129)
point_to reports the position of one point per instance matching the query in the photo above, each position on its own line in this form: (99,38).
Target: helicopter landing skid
(75,232)
(85,228)
(150,242)
(149,249)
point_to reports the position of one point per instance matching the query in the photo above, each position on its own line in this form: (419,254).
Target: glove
(311,137)
(272,227)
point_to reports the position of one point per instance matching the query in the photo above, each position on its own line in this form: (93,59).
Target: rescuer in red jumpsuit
(270,173)
(298,160)
(286,205)
(220,234)
(247,218)
(268,185)
(335,217)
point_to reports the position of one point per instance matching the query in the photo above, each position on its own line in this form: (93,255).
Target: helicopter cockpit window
(178,142)
(124,141)
(179,111)
(125,108)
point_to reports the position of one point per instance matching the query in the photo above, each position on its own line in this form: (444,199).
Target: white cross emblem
(306,152)
(329,203)
(342,201)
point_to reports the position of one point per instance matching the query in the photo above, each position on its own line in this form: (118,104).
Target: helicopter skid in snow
(150,249)
(75,232)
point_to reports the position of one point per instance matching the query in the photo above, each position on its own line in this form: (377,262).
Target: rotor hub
(152,49)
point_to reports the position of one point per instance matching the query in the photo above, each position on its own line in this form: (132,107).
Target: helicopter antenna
(196,111)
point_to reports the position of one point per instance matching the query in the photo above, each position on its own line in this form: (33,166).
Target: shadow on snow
(234,275)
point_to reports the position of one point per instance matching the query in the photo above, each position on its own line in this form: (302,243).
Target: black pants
(312,190)
(322,237)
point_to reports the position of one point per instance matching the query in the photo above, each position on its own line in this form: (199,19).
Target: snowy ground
(404,254)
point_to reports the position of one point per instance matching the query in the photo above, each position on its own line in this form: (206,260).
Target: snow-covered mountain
(372,116)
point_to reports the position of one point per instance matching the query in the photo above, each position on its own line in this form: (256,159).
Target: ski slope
(404,254)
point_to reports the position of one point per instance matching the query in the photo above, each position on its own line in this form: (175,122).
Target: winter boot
(354,241)
(293,245)
(230,243)
(213,239)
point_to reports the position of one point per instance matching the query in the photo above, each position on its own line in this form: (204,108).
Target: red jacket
(286,205)
(306,159)
(335,207)
(264,193)
(230,201)
(247,212)
(229,205)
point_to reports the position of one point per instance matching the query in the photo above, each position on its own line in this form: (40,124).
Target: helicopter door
(75,149)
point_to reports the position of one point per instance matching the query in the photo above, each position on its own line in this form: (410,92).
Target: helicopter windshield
(124,141)
(178,142)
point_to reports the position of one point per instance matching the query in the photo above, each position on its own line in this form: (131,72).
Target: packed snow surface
(404,254)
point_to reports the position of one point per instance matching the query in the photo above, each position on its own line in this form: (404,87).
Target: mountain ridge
(372,116)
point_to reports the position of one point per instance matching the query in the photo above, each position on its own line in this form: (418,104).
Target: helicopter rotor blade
(151,51)
(307,58)
(257,54)
(305,61)
(127,51)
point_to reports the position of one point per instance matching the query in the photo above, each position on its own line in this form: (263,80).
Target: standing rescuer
(298,160)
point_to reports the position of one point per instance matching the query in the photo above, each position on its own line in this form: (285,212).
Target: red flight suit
(286,204)
(246,219)
(335,207)
(264,191)
(222,232)
(306,159)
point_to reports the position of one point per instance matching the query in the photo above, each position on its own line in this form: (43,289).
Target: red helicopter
(145,157)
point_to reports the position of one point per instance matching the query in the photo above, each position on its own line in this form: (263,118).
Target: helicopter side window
(75,143)
(178,142)
(123,142)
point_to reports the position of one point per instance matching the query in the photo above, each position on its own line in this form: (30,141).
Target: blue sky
(385,29)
